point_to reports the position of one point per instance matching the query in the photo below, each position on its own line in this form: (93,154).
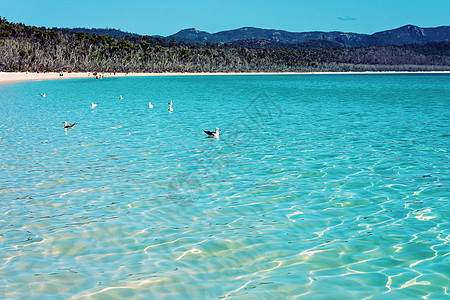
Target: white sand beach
(8,77)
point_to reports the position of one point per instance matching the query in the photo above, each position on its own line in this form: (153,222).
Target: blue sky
(165,17)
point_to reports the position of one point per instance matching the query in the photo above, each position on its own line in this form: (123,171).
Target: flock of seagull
(214,134)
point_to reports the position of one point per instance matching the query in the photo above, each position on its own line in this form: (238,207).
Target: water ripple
(340,190)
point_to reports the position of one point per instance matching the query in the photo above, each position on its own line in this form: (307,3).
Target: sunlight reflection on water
(318,185)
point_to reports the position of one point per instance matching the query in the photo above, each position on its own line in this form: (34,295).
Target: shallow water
(321,186)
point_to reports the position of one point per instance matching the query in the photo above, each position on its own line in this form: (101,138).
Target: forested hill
(29,48)
(103,31)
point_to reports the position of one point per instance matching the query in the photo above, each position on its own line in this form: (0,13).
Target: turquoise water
(320,186)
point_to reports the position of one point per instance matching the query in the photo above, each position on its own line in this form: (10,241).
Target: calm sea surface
(320,186)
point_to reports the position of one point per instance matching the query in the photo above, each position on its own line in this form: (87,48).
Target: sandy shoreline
(9,77)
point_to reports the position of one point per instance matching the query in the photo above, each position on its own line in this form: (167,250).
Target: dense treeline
(38,49)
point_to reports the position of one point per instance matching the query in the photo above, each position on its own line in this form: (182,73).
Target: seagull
(150,105)
(212,133)
(120,97)
(68,125)
(170,107)
(42,95)
(94,105)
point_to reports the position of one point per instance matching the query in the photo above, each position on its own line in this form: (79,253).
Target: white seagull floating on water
(94,105)
(120,97)
(42,95)
(68,125)
(150,105)
(212,133)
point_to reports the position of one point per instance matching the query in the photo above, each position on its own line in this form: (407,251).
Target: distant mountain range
(408,34)
(270,38)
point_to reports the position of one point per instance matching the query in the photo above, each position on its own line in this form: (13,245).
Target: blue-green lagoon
(319,187)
